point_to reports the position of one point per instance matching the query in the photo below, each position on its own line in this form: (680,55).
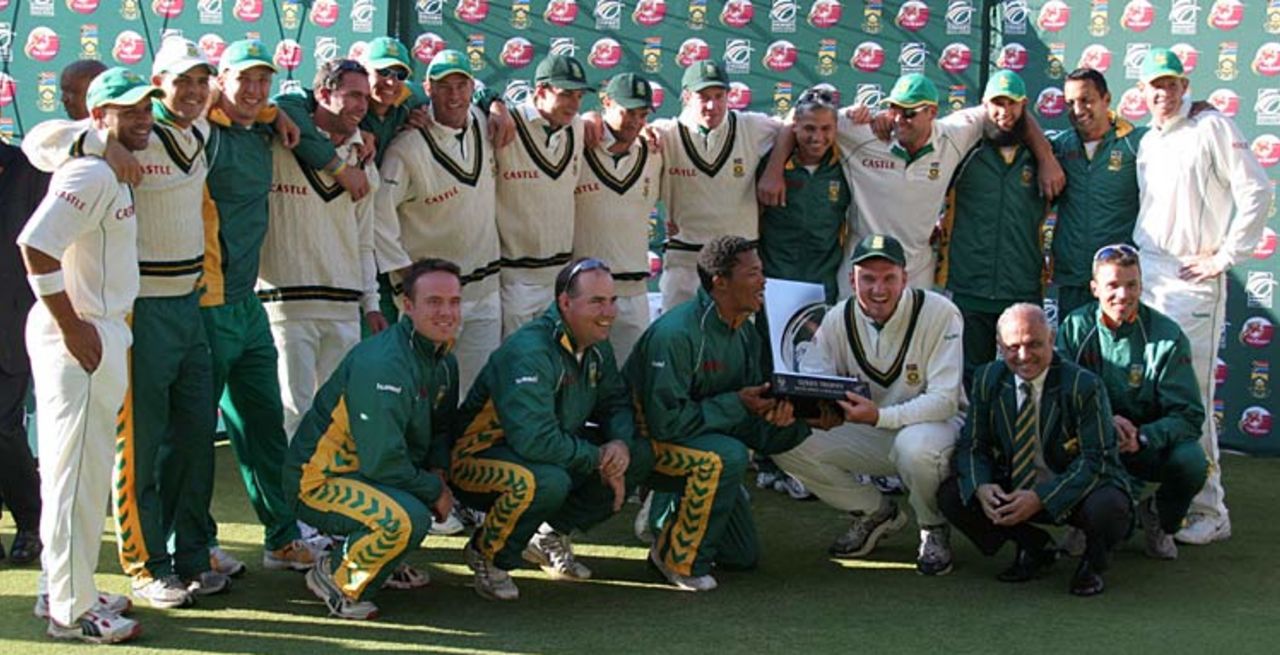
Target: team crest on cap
(901,87)
(637,88)
(253,50)
(575,69)
(877,242)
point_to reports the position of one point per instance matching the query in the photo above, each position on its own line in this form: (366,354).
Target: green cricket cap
(245,54)
(562,71)
(703,75)
(120,86)
(1161,62)
(446,63)
(385,52)
(1005,84)
(913,90)
(879,246)
(630,91)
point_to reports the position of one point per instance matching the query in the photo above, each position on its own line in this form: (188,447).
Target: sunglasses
(394,71)
(587,264)
(908,114)
(1115,250)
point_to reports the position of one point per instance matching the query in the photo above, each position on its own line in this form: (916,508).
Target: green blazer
(1076,435)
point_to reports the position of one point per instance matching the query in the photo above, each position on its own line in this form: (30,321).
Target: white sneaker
(553,553)
(491,582)
(1074,542)
(1204,530)
(293,556)
(641,524)
(96,628)
(406,577)
(450,525)
(107,603)
(321,583)
(224,563)
(164,593)
(1157,543)
(934,556)
(207,584)
(685,582)
(866,530)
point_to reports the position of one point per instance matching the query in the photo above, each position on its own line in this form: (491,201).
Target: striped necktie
(1025,441)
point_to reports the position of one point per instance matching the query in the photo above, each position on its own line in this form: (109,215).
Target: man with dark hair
(992,251)
(367,460)
(1144,360)
(698,384)
(1037,447)
(527,454)
(73,81)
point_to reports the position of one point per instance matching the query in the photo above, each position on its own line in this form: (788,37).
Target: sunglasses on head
(394,71)
(1115,250)
(588,264)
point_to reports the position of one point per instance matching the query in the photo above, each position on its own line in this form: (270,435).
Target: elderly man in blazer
(1038,447)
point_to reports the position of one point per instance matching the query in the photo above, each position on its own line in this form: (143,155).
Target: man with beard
(991,247)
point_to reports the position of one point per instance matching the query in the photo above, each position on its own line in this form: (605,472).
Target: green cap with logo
(913,90)
(880,246)
(1161,62)
(630,91)
(704,75)
(119,86)
(385,52)
(562,71)
(1005,84)
(245,54)
(446,63)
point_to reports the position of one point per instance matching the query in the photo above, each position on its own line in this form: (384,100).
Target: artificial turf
(1223,598)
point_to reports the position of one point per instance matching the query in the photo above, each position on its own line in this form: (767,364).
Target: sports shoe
(406,577)
(767,479)
(790,486)
(934,556)
(26,547)
(640,526)
(450,525)
(166,592)
(207,583)
(96,628)
(553,552)
(107,603)
(1158,543)
(321,583)
(294,556)
(890,485)
(1074,542)
(685,582)
(472,518)
(224,563)
(867,530)
(1204,530)
(490,581)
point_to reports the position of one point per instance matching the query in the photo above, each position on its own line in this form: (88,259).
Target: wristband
(341,167)
(47,284)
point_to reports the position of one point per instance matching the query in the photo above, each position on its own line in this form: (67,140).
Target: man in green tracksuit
(699,388)
(366,460)
(244,356)
(992,254)
(526,454)
(1100,203)
(1144,359)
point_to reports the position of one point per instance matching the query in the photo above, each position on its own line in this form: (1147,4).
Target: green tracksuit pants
(1180,469)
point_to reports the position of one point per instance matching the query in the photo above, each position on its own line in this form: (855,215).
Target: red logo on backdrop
(1256,421)
(426,46)
(42,44)
(517,52)
(1225,101)
(780,56)
(1266,245)
(1257,332)
(1051,102)
(288,54)
(472,11)
(1054,16)
(561,12)
(868,57)
(1267,60)
(913,15)
(659,94)
(692,50)
(825,13)
(649,12)
(606,53)
(1188,55)
(1138,15)
(212,46)
(1132,105)
(8,89)
(357,49)
(1096,57)
(1226,14)
(1267,149)
(78,6)
(130,47)
(955,58)
(167,8)
(739,95)
(1012,57)
(1219,371)
(251,10)
(737,13)
(324,13)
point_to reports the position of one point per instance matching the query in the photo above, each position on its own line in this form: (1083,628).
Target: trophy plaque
(794,311)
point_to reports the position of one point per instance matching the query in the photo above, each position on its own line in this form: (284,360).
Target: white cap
(178,55)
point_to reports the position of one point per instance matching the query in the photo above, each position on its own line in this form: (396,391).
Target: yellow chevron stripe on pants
(389,529)
(516,488)
(701,470)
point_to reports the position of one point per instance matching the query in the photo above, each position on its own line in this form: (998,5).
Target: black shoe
(1086,581)
(1028,565)
(26,547)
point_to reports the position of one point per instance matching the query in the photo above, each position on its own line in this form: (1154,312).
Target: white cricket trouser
(633,318)
(679,282)
(310,351)
(1200,308)
(920,454)
(526,294)
(481,334)
(76,421)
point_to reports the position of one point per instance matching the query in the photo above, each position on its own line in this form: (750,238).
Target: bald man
(74,81)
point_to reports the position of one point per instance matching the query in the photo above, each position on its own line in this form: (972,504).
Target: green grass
(1219,599)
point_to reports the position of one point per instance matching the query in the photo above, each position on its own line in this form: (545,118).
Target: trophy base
(823,387)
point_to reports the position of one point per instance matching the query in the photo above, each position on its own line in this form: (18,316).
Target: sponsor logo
(475,51)
(1056,56)
(912,58)
(1016,14)
(1267,149)
(1225,101)
(430,12)
(212,46)
(6,42)
(737,13)
(608,14)
(130,48)
(47,91)
(326,49)
(563,45)
(1013,56)
(1228,67)
(517,91)
(520,14)
(1051,102)
(1188,55)
(42,44)
(1260,289)
(959,17)
(955,58)
(88,6)
(781,56)
(1226,14)
(697,14)
(288,54)
(1183,15)
(363,14)
(782,16)
(868,57)
(249,11)
(605,53)
(89,41)
(1132,105)
(1266,245)
(42,8)
(1096,56)
(324,13)
(1266,61)
(427,45)
(1054,16)
(659,94)
(1257,332)
(827,56)
(651,56)
(693,49)
(161,8)
(868,95)
(561,12)
(872,16)
(957,97)
(1255,421)
(826,13)
(128,9)
(912,16)
(737,55)
(471,11)
(739,96)
(649,12)
(210,12)
(8,89)
(781,98)
(357,49)
(1134,55)
(1260,379)
(1138,16)
(1219,371)
(1098,14)
(517,52)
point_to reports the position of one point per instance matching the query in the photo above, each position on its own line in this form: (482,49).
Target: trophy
(794,311)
